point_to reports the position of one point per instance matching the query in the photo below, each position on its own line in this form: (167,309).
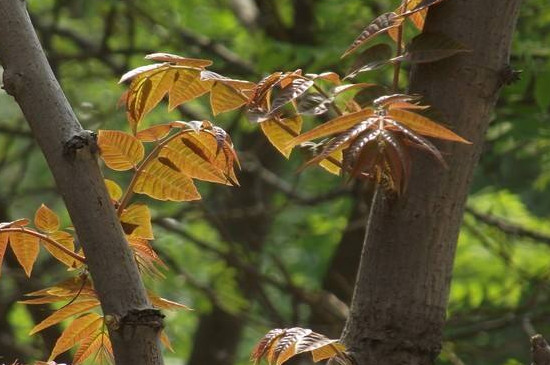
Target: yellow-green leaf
(136,221)
(162,182)
(79,329)
(64,313)
(120,151)
(115,191)
(424,126)
(46,220)
(26,248)
(281,131)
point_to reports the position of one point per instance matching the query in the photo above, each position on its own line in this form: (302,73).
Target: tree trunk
(71,156)
(398,307)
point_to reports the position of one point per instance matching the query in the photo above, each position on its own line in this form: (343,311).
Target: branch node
(77,142)
(152,318)
(508,76)
(12,82)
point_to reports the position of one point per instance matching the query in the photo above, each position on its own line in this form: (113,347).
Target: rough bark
(398,308)
(71,156)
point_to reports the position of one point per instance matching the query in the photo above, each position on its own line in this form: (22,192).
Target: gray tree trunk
(71,156)
(399,302)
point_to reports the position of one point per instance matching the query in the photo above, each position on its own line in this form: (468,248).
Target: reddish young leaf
(431,47)
(379,25)
(370,59)
(296,88)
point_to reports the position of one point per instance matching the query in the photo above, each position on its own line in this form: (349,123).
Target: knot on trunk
(12,82)
(83,139)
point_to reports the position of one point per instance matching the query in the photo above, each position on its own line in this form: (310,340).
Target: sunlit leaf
(16,223)
(162,303)
(424,126)
(187,86)
(313,104)
(26,248)
(120,151)
(161,182)
(279,345)
(61,314)
(154,134)
(224,98)
(136,221)
(78,330)
(46,220)
(281,131)
(97,343)
(296,88)
(377,26)
(165,340)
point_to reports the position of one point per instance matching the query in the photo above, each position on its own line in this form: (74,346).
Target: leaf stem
(399,50)
(150,157)
(322,92)
(44,237)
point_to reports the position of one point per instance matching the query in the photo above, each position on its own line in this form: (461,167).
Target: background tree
(504,220)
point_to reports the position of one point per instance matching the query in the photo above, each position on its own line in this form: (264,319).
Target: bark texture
(398,307)
(71,156)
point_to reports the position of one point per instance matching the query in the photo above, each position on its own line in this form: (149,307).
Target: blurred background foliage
(280,251)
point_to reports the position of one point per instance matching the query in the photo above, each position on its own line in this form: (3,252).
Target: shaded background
(281,250)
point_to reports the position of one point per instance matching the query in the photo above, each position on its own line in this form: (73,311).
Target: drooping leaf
(333,126)
(97,343)
(424,126)
(154,134)
(333,162)
(63,291)
(3,245)
(371,59)
(161,182)
(388,100)
(281,131)
(344,88)
(120,151)
(165,340)
(313,104)
(419,6)
(431,47)
(26,248)
(136,221)
(332,77)
(63,239)
(279,345)
(115,191)
(146,257)
(70,310)
(79,329)
(46,220)
(296,88)
(377,26)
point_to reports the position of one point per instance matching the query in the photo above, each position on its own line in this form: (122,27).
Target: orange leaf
(166,340)
(115,192)
(64,313)
(424,126)
(16,223)
(26,248)
(46,220)
(379,25)
(281,131)
(3,245)
(138,218)
(66,240)
(95,343)
(224,98)
(120,151)
(333,126)
(79,329)
(154,134)
(162,182)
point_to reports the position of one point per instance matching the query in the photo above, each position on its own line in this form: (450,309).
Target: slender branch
(399,41)
(43,237)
